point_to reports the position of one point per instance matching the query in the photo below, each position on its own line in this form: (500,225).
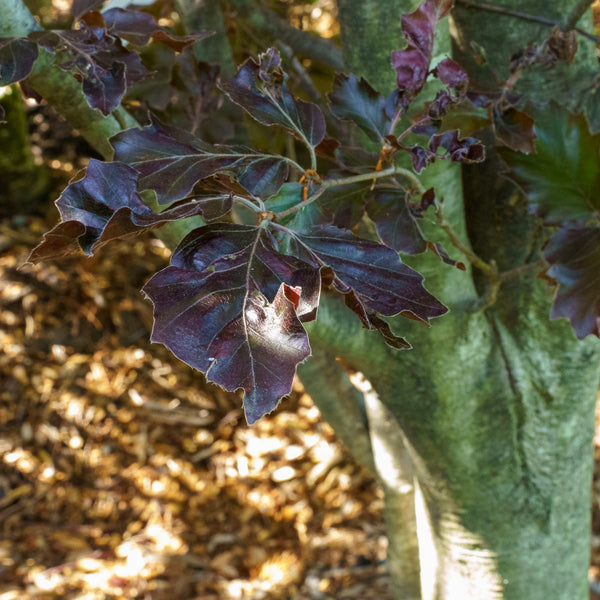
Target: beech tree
(455,160)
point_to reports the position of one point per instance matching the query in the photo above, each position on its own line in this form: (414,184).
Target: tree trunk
(495,408)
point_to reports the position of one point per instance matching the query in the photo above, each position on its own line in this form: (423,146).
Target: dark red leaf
(396,221)
(468,150)
(355,99)
(373,272)
(59,242)
(16,59)
(97,59)
(260,89)
(171,161)
(370,320)
(575,258)
(450,73)
(514,129)
(138,28)
(412,63)
(441,253)
(439,107)
(223,307)
(105,205)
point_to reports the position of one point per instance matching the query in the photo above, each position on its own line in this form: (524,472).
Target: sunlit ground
(122,475)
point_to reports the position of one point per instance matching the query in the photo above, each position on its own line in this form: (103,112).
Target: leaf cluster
(278,232)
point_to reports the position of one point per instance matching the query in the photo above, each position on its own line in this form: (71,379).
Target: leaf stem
(371,175)
(522,270)
(409,129)
(490,269)
(246,202)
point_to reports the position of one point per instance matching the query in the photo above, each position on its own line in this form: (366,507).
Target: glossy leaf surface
(260,89)
(105,205)
(396,220)
(226,307)
(171,161)
(372,272)
(16,59)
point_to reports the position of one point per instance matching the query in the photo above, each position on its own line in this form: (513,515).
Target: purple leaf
(396,220)
(439,106)
(105,205)
(468,150)
(441,253)
(80,7)
(260,89)
(451,74)
(421,157)
(16,59)
(97,59)
(370,320)
(575,258)
(514,129)
(228,306)
(412,63)
(171,161)
(355,99)
(374,273)
(138,28)
(59,242)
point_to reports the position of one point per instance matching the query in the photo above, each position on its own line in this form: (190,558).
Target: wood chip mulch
(124,475)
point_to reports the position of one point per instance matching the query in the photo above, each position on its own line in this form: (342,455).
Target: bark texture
(497,408)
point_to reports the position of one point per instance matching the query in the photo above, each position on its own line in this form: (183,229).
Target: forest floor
(124,475)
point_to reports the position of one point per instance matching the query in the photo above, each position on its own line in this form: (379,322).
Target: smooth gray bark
(497,408)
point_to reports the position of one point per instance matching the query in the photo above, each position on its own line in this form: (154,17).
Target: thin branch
(251,205)
(354,179)
(522,270)
(533,18)
(490,269)
(576,14)
(508,12)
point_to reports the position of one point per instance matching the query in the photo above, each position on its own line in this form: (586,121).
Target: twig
(490,269)
(536,18)
(576,14)
(353,179)
(508,12)
(522,270)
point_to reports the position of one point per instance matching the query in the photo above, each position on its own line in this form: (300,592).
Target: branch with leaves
(280,232)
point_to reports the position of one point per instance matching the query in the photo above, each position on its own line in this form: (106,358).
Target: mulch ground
(124,475)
